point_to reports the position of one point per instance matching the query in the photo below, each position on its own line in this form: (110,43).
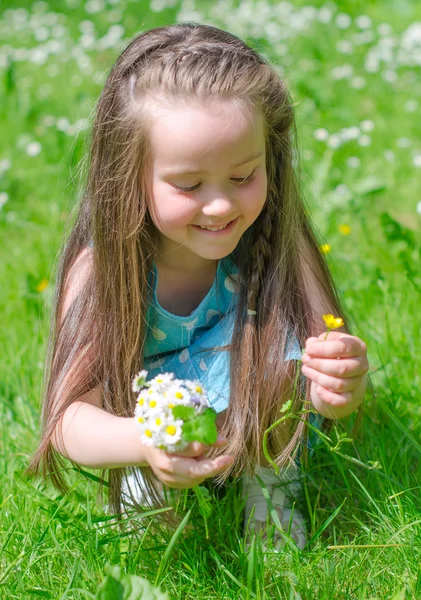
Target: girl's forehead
(192,133)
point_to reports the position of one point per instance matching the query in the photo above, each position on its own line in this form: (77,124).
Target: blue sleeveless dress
(183,344)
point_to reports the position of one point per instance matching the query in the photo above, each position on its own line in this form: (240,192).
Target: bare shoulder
(76,278)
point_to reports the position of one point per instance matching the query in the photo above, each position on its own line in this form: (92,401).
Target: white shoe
(140,493)
(283,490)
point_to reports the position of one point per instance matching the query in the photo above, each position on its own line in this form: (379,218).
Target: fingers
(335,384)
(186,472)
(332,398)
(346,367)
(196,449)
(345,346)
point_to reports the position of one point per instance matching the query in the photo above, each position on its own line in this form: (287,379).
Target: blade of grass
(170,547)
(250,567)
(326,524)
(223,568)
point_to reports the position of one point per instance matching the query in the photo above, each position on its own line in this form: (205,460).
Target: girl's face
(207,170)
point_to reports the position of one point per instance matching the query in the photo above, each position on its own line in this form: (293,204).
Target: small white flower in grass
(321,134)
(403,142)
(343,21)
(389,155)
(363,22)
(418,208)
(334,141)
(139,381)
(349,133)
(384,29)
(344,46)
(367,125)
(3,199)
(416,161)
(353,162)
(33,149)
(411,105)
(364,140)
(358,83)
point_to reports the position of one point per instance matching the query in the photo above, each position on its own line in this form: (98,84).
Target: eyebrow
(181,171)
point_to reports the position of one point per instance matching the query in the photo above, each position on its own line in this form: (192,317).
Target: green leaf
(122,586)
(202,428)
(287,406)
(183,412)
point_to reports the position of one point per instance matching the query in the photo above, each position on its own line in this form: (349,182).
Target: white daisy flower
(172,432)
(154,405)
(146,434)
(158,421)
(139,381)
(142,403)
(162,380)
(178,395)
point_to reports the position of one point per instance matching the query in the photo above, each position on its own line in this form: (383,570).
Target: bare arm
(94,438)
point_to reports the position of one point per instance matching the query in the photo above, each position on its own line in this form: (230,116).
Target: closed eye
(238,181)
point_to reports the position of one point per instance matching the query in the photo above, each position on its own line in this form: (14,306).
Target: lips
(216,226)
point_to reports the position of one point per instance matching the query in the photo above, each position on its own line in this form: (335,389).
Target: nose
(218,205)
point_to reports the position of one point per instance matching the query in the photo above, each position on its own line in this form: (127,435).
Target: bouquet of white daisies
(172,412)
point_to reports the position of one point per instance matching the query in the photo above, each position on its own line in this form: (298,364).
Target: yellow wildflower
(325,248)
(333,322)
(42,285)
(344,229)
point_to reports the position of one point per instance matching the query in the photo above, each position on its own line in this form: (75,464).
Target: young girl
(192,253)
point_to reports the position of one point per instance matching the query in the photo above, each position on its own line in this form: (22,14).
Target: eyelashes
(238,181)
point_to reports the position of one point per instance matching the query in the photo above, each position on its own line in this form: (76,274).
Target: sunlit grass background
(354,74)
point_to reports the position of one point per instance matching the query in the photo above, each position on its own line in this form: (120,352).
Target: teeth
(213,228)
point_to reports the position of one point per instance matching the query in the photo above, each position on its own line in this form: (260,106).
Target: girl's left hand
(337,368)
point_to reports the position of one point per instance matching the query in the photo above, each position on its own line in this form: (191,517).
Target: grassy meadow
(354,73)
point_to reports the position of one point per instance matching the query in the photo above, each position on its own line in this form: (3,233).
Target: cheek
(169,209)
(254,197)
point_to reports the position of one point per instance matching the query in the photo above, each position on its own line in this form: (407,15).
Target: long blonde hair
(101,340)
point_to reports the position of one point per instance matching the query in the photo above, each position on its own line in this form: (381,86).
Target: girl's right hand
(189,467)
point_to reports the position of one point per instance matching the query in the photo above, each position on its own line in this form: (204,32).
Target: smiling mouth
(215,228)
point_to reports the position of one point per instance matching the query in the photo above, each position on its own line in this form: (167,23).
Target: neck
(191,264)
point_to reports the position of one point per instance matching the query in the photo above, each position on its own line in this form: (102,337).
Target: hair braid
(260,254)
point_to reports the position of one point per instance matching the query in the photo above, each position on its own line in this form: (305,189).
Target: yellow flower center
(171,405)
(141,401)
(158,421)
(152,403)
(158,380)
(325,248)
(140,420)
(171,430)
(148,433)
(150,391)
(198,389)
(179,395)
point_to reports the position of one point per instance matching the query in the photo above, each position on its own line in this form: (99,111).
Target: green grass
(362,499)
